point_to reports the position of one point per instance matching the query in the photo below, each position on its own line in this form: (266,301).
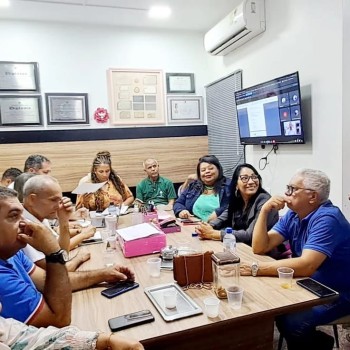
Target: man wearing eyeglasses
(319,236)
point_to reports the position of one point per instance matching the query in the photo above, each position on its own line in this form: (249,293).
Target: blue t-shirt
(327,231)
(18,295)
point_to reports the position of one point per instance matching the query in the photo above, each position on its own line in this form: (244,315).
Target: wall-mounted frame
(20,110)
(180,83)
(67,108)
(19,76)
(136,96)
(185,109)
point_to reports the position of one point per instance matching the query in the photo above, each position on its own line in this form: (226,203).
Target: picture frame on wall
(67,108)
(19,76)
(136,96)
(185,109)
(20,110)
(180,83)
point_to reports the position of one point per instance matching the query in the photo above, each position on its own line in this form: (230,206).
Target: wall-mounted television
(270,112)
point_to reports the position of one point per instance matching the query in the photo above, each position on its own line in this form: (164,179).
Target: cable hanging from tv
(263,161)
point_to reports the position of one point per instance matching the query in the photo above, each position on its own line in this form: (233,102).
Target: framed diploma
(67,108)
(185,110)
(180,83)
(17,110)
(19,76)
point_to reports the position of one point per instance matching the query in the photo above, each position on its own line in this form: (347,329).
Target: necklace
(209,188)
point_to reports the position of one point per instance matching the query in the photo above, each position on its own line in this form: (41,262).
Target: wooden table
(251,327)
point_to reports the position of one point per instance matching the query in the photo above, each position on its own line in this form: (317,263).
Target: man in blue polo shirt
(25,293)
(155,188)
(319,236)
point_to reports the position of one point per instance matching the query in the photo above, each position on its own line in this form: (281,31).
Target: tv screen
(270,112)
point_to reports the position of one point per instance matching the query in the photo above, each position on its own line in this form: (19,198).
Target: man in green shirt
(155,188)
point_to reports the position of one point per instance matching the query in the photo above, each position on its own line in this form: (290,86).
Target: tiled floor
(344,337)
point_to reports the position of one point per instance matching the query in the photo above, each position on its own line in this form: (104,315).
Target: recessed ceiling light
(159,12)
(4,3)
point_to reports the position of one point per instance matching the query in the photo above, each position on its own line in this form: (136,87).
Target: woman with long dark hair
(206,197)
(115,190)
(246,199)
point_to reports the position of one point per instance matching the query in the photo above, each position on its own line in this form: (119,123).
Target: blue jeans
(299,328)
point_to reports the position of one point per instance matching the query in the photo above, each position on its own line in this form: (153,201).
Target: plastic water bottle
(229,241)
(137,216)
(112,209)
(195,243)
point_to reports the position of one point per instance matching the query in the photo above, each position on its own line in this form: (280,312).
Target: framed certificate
(180,83)
(19,76)
(67,108)
(17,110)
(185,109)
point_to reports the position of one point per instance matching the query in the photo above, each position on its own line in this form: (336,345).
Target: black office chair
(344,321)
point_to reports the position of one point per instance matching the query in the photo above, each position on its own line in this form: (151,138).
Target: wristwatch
(255,268)
(60,257)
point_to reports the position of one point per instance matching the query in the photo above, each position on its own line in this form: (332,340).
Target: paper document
(138,231)
(88,187)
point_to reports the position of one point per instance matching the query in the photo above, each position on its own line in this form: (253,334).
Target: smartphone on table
(130,320)
(316,287)
(119,288)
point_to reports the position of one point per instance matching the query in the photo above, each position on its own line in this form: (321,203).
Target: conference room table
(250,327)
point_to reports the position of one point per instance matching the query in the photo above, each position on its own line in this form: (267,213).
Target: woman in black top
(246,199)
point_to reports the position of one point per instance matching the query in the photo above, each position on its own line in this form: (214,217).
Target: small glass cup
(154,266)
(285,275)
(235,296)
(111,243)
(211,306)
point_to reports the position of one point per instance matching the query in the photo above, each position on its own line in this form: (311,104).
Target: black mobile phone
(130,320)
(119,288)
(316,287)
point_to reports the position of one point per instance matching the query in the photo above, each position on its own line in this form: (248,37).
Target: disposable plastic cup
(235,296)
(111,243)
(285,275)
(170,298)
(154,267)
(211,306)
(109,258)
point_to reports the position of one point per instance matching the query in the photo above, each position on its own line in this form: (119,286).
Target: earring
(236,192)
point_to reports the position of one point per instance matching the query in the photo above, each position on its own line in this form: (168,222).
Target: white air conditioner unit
(245,22)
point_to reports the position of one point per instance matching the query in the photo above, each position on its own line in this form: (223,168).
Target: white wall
(75,58)
(304,36)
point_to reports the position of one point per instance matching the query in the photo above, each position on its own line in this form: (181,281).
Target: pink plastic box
(143,246)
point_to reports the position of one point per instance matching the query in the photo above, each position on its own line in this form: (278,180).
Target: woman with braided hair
(114,189)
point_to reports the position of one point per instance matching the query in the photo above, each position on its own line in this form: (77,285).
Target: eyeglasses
(291,189)
(245,178)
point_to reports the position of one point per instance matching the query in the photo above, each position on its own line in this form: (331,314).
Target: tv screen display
(270,112)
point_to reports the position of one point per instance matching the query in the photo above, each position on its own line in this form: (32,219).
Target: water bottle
(137,216)
(112,209)
(229,241)
(195,243)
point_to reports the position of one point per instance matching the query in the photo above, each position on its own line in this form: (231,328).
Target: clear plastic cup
(170,298)
(235,296)
(211,306)
(285,275)
(111,224)
(111,243)
(154,267)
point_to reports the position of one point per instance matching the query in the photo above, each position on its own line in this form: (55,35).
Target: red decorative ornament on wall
(101,115)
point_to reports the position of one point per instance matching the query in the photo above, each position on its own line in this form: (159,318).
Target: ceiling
(198,15)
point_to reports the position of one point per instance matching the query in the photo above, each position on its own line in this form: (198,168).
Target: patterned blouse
(101,198)
(16,335)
